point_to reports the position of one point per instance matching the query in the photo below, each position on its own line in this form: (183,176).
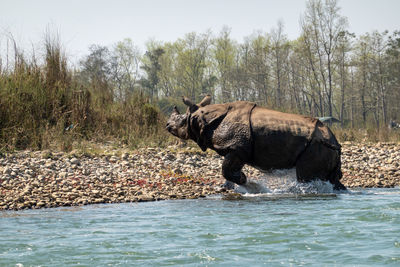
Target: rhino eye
(182,121)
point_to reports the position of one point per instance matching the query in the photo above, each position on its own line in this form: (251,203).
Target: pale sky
(81,23)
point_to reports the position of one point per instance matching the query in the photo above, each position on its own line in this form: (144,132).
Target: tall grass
(46,105)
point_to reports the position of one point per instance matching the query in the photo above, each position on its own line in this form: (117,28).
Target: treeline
(122,92)
(327,71)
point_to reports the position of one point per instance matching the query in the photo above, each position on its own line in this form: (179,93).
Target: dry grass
(367,135)
(45,105)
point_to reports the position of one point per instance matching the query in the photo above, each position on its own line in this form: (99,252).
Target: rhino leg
(319,161)
(232,169)
(335,177)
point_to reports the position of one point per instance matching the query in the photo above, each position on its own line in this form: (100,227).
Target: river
(359,228)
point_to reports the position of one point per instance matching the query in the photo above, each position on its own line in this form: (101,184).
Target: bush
(48,105)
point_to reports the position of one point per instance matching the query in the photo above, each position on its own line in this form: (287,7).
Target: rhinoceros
(245,133)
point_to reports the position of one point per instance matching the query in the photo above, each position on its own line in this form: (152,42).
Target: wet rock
(232,196)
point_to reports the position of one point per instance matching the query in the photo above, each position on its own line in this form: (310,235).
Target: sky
(81,23)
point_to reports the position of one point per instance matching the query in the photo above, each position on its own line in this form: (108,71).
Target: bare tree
(322,27)
(279,55)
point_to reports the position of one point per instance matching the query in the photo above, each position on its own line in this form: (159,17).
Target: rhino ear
(206,101)
(189,103)
(175,110)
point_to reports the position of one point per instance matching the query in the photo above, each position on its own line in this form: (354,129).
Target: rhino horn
(206,101)
(187,101)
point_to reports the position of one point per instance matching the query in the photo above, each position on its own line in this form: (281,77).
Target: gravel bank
(45,179)
(371,165)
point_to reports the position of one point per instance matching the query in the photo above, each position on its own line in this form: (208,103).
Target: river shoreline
(44,179)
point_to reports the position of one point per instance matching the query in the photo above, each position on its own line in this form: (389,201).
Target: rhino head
(177,123)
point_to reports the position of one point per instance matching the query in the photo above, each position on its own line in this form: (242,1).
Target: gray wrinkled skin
(245,133)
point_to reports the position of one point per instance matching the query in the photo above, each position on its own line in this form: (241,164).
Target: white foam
(283,182)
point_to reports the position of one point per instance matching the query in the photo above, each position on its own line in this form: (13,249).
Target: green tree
(193,65)
(124,68)
(96,74)
(151,66)
(224,54)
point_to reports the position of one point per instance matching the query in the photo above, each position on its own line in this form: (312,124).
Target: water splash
(283,182)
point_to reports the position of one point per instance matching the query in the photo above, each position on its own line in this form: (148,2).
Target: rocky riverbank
(52,179)
(371,165)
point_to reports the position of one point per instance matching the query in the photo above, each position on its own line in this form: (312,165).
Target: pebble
(75,161)
(52,179)
(370,165)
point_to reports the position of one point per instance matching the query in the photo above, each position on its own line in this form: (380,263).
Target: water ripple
(359,228)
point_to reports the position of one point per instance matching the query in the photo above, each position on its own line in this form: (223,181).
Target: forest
(120,92)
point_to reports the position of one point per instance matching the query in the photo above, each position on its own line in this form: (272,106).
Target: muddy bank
(52,179)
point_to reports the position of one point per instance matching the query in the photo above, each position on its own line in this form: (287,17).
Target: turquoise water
(361,228)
